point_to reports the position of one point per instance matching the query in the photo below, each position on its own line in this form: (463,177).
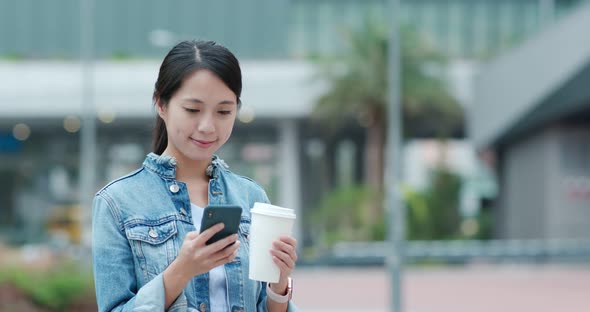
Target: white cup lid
(272,210)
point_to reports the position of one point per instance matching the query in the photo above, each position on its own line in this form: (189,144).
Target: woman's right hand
(195,257)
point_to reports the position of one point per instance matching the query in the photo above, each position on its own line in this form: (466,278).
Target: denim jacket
(139,223)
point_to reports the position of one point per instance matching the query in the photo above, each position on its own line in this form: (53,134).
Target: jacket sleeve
(114,267)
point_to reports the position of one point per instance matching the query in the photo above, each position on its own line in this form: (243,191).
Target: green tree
(358,89)
(433,213)
(340,216)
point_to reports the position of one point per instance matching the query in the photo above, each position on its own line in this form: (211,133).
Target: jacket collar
(165,166)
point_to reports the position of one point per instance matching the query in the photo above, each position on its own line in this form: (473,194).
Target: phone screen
(229,215)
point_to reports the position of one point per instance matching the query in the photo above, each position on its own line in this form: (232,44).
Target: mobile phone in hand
(229,215)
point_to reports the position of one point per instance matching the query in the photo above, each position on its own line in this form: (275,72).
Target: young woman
(148,252)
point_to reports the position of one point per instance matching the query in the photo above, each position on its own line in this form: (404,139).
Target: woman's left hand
(284,254)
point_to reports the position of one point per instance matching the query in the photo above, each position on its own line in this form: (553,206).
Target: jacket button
(153,234)
(203,307)
(182,211)
(174,188)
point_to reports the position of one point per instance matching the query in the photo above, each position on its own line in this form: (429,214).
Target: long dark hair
(184,59)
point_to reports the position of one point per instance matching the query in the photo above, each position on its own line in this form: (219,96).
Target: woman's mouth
(202,143)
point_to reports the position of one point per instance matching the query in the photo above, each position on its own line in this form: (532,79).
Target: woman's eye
(225,112)
(191,110)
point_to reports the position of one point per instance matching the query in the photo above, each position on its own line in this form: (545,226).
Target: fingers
(221,249)
(191,235)
(283,259)
(283,267)
(226,255)
(223,261)
(227,252)
(222,243)
(284,253)
(219,252)
(289,240)
(200,257)
(287,245)
(207,234)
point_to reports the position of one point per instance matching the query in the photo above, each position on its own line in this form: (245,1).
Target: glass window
(455,16)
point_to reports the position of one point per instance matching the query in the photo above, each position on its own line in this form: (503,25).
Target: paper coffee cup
(269,222)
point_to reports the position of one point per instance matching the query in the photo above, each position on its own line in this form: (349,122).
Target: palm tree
(358,89)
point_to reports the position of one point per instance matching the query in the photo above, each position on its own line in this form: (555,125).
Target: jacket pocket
(152,242)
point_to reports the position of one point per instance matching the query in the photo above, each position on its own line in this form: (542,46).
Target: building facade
(275,142)
(532,109)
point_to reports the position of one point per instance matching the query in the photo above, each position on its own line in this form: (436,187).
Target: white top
(217,279)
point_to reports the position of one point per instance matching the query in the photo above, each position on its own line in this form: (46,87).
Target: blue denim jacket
(139,223)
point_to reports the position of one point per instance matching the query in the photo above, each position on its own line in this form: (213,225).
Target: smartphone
(229,215)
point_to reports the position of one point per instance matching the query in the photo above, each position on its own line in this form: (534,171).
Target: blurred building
(263,29)
(532,109)
(39,145)
(274,142)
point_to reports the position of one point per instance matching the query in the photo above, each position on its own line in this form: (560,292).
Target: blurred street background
(494,151)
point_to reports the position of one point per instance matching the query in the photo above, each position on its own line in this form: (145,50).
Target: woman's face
(200,116)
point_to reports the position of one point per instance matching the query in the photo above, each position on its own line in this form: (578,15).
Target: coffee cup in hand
(269,223)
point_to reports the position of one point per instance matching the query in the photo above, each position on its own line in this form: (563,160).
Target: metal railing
(464,250)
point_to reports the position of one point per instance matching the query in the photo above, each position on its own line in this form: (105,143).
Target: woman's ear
(161,108)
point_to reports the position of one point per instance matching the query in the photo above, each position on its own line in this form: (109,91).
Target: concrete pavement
(481,288)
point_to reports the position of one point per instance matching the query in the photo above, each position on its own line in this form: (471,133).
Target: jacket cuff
(151,297)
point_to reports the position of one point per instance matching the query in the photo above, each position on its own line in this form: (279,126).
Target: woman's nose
(206,124)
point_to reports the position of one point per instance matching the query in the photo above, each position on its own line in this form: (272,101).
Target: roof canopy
(546,78)
(54,89)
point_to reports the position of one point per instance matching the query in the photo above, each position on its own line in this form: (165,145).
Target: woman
(148,254)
